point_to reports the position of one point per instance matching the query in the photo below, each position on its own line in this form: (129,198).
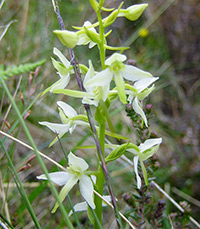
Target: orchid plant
(131,85)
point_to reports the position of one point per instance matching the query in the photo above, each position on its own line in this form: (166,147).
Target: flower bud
(67,38)
(111,18)
(133,12)
(93,36)
(94,4)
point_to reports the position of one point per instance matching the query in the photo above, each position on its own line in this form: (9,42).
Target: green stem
(100,176)
(102,50)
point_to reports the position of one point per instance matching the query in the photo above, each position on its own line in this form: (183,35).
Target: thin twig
(29,147)
(5,30)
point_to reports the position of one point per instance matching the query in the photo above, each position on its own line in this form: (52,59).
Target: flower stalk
(88,111)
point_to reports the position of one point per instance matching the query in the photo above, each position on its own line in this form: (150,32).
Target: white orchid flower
(83,205)
(139,92)
(75,173)
(96,93)
(69,118)
(64,69)
(117,70)
(146,150)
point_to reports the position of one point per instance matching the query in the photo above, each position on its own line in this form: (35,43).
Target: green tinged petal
(144,171)
(120,87)
(87,189)
(149,153)
(72,93)
(77,163)
(65,190)
(60,67)
(138,109)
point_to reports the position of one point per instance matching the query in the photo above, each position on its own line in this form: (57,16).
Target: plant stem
(88,110)
(101,47)
(100,174)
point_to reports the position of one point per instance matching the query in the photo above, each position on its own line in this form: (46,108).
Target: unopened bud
(92,35)
(67,38)
(132,13)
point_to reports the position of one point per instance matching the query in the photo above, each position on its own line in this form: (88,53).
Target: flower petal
(90,73)
(120,87)
(59,178)
(86,100)
(137,108)
(61,57)
(100,79)
(79,207)
(62,70)
(78,162)
(149,143)
(68,110)
(56,128)
(65,190)
(142,84)
(115,57)
(61,83)
(132,73)
(139,181)
(87,189)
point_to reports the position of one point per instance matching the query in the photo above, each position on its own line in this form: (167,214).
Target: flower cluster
(116,79)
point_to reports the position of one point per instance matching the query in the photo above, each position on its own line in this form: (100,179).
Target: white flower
(139,92)
(147,149)
(96,93)
(75,173)
(64,69)
(117,70)
(69,118)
